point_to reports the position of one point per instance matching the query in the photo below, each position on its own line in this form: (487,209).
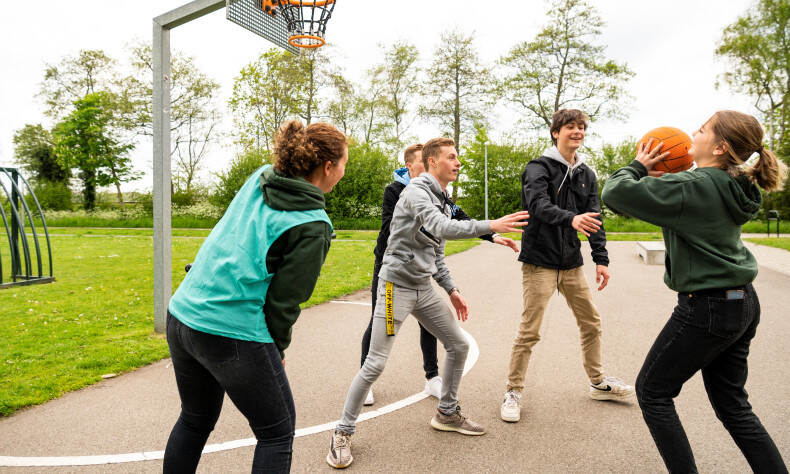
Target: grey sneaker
(340,450)
(511,407)
(611,388)
(456,422)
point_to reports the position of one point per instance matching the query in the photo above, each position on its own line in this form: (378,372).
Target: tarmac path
(561,430)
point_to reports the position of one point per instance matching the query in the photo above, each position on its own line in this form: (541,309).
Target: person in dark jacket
(700,213)
(229,322)
(561,194)
(412,158)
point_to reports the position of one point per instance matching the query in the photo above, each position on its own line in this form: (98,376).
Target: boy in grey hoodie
(415,253)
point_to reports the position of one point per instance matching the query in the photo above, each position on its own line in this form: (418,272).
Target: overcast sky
(668,44)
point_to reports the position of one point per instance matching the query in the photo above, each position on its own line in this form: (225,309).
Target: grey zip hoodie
(420,226)
(555,155)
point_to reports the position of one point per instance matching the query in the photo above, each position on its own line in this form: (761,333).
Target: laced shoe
(433,387)
(611,388)
(456,422)
(340,450)
(369,400)
(511,407)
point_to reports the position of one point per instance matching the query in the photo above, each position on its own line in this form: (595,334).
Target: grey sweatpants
(437,318)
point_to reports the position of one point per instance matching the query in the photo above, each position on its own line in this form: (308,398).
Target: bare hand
(650,158)
(283,362)
(510,222)
(461,309)
(587,223)
(601,276)
(498,239)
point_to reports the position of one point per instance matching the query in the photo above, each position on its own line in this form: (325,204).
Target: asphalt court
(561,430)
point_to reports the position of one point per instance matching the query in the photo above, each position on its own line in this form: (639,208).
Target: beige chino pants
(538,284)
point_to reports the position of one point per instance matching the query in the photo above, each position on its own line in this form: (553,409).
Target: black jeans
(430,361)
(711,333)
(252,374)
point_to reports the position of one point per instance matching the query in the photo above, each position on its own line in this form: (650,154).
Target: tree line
(99,112)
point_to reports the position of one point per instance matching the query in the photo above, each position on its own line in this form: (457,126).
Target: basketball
(676,142)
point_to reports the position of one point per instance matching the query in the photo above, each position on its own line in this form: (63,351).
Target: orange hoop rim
(314,3)
(292,41)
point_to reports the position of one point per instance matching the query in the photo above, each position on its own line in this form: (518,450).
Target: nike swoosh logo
(607,389)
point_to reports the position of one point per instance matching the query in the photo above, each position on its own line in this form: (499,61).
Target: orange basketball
(676,142)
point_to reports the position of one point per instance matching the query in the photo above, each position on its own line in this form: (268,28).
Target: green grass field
(778,242)
(97,317)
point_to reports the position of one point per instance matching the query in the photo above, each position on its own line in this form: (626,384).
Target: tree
(313,72)
(360,192)
(458,88)
(756,48)
(563,68)
(610,158)
(369,107)
(506,162)
(194,114)
(91,70)
(399,86)
(237,173)
(342,107)
(34,149)
(84,140)
(265,94)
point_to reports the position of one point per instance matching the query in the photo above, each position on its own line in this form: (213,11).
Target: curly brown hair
(299,150)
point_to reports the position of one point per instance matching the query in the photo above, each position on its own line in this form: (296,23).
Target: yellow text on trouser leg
(388,307)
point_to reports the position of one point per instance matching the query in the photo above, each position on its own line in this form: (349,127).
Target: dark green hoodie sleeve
(295,259)
(658,201)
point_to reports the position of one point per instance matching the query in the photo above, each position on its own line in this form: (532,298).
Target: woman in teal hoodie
(230,319)
(701,213)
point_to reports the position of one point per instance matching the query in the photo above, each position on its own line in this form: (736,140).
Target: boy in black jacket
(561,194)
(412,157)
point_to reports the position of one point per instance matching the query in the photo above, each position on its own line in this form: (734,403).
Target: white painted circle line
(29,461)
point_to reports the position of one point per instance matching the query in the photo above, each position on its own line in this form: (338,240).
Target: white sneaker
(611,388)
(511,407)
(433,387)
(369,400)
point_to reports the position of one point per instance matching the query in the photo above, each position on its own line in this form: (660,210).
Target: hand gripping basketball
(510,222)
(649,157)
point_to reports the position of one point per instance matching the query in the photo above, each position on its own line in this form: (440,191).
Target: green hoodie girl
(711,328)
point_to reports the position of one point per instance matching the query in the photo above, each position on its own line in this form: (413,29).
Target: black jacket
(391,195)
(553,194)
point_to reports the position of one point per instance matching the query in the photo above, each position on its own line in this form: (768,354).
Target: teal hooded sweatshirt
(700,213)
(259,263)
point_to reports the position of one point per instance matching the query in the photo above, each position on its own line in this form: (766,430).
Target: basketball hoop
(306,19)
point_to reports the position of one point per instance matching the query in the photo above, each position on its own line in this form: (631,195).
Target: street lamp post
(485,160)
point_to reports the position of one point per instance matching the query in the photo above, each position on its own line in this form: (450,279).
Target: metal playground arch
(27,265)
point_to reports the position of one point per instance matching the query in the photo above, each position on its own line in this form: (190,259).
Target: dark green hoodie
(700,213)
(296,256)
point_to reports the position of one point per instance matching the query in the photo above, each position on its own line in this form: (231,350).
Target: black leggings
(251,373)
(430,362)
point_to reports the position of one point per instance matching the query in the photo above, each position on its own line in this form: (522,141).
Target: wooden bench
(651,252)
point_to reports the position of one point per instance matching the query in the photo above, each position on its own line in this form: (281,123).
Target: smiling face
(445,165)
(570,136)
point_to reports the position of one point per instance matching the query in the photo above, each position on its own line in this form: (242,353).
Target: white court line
(28,461)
